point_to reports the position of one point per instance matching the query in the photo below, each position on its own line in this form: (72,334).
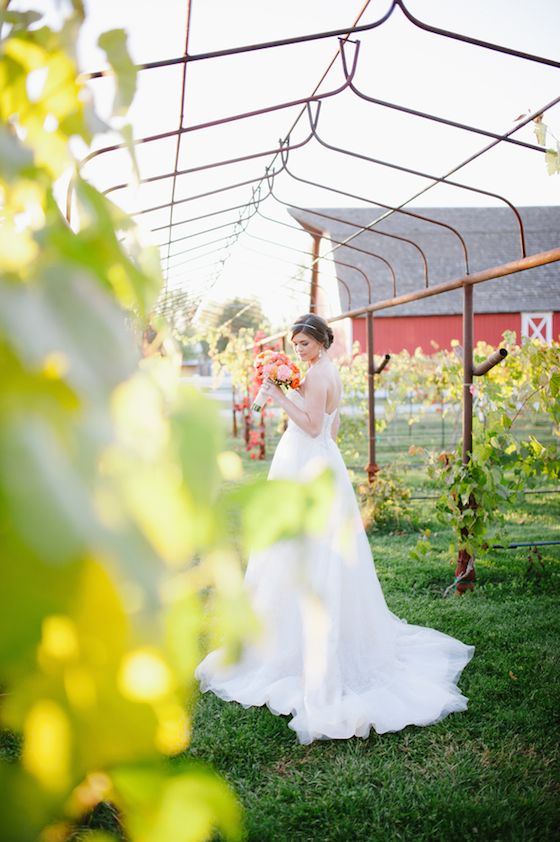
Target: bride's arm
(310,418)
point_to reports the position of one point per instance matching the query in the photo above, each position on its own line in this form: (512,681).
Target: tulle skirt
(331,654)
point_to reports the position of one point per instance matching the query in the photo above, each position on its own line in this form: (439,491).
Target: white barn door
(537,326)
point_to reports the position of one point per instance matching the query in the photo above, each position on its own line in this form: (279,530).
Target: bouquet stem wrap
(260,399)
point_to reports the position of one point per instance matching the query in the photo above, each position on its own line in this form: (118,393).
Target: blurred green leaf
(19,20)
(31,590)
(181,804)
(184,624)
(15,158)
(64,320)
(26,808)
(275,510)
(195,419)
(38,471)
(96,247)
(552,157)
(114,45)
(128,137)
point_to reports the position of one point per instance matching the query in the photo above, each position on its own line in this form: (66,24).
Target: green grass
(491,773)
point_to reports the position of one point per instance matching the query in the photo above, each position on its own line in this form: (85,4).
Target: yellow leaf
(552,161)
(59,641)
(230,465)
(17,248)
(46,751)
(173,732)
(144,676)
(27,54)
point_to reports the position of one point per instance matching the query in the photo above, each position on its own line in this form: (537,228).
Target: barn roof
(491,235)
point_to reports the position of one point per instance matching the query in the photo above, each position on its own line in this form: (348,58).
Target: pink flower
(284,373)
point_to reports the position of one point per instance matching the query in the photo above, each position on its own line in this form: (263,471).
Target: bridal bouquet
(277,367)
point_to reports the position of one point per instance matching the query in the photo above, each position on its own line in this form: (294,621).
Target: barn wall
(392,335)
(556,327)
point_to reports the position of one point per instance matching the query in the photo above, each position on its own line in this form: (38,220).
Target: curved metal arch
(391,208)
(206,231)
(313,121)
(349,74)
(195,248)
(370,227)
(434,30)
(197,218)
(353,248)
(291,263)
(303,251)
(426,116)
(475,42)
(204,254)
(204,167)
(333,33)
(249,48)
(256,211)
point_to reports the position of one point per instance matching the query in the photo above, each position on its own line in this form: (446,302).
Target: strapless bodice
(328,419)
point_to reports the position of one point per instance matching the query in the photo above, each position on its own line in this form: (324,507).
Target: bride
(331,654)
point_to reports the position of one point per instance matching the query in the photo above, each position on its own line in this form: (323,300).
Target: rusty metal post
(383,363)
(372,466)
(468,331)
(315,272)
(494,358)
(464,570)
(235,431)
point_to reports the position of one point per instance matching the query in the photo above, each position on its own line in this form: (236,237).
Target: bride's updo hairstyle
(314,326)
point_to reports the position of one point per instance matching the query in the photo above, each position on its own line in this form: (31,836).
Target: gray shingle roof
(491,235)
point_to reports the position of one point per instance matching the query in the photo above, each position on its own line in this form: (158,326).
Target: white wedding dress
(331,653)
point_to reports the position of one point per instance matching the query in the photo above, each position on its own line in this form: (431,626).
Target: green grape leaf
(66,321)
(38,470)
(15,158)
(552,157)
(113,43)
(540,132)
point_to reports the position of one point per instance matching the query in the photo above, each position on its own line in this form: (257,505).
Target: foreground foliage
(112,514)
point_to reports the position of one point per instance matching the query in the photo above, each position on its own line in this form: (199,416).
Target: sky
(397,62)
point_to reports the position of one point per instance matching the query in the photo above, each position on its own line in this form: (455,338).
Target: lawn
(489,773)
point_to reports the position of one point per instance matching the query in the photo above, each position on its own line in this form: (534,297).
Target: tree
(226,319)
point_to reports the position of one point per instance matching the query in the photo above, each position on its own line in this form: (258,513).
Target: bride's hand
(273,391)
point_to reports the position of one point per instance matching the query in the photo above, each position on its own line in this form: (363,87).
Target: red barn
(425,246)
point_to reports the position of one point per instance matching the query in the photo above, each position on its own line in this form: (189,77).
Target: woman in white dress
(331,653)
